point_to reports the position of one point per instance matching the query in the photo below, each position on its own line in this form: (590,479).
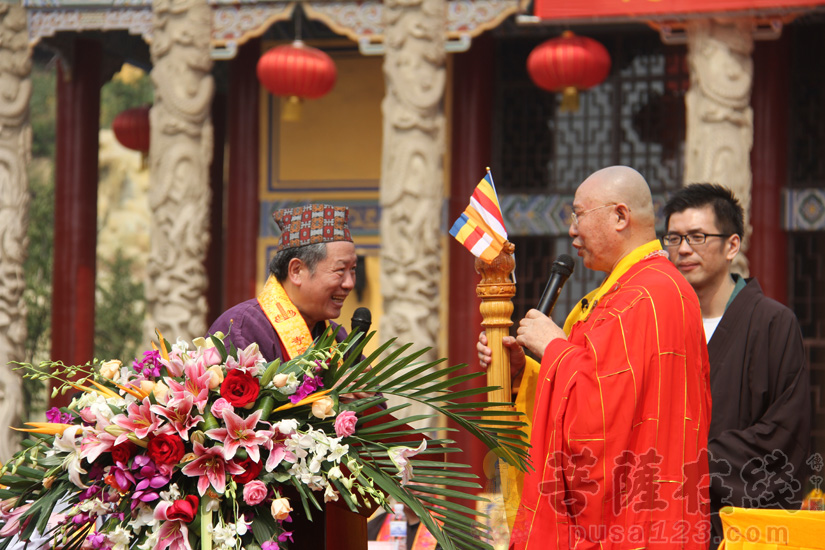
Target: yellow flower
(280,380)
(323,408)
(215,376)
(281,508)
(110,369)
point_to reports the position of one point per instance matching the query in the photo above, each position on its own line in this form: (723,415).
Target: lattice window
(806,167)
(635,118)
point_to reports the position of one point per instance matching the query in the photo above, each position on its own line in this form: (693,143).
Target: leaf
(270,371)
(392,424)
(263,528)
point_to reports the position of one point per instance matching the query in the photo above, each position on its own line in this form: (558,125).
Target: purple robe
(246,323)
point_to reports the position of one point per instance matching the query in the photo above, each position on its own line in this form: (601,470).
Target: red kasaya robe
(620,428)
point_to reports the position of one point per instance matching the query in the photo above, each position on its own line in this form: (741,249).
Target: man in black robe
(761,417)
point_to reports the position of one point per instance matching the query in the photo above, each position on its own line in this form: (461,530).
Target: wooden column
(75,220)
(242,205)
(214,253)
(769,159)
(471,151)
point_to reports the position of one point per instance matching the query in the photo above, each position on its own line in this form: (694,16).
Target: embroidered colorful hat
(311,224)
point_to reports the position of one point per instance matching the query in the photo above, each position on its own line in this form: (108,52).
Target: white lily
(68,442)
(400,457)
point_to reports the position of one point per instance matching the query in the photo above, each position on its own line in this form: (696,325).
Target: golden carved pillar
(496,291)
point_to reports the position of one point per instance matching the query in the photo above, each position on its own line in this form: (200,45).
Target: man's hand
(349,397)
(537,330)
(485,354)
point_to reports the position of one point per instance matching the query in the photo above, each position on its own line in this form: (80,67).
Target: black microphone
(361,320)
(562,269)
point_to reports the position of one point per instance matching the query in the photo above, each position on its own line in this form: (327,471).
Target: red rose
(183,510)
(240,388)
(123,452)
(165,449)
(251,470)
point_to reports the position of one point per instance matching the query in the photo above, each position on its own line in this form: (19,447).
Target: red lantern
(296,71)
(131,128)
(568,63)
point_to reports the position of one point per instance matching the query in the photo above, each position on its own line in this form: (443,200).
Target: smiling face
(320,294)
(705,266)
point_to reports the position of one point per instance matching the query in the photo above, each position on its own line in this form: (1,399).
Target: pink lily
(173,535)
(96,443)
(240,432)
(12,526)
(206,357)
(210,468)
(179,414)
(277,453)
(176,363)
(196,385)
(139,420)
(248,360)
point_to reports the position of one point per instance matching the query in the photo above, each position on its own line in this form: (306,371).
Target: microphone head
(563,265)
(362,315)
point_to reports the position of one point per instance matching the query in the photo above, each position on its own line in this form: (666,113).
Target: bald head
(603,236)
(622,184)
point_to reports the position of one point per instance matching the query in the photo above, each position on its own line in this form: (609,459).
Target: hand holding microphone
(560,271)
(537,330)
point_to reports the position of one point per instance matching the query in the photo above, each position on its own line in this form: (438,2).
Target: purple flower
(309,386)
(285,535)
(55,416)
(97,539)
(270,545)
(150,365)
(91,492)
(150,480)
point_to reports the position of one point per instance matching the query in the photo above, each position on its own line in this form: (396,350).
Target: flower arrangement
(184,448)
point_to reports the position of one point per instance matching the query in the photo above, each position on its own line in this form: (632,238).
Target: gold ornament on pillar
(496,291)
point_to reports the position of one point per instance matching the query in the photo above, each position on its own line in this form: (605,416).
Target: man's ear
(296,271)
(623,213)
(732,247)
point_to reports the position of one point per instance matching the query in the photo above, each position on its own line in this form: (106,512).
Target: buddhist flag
(481,227)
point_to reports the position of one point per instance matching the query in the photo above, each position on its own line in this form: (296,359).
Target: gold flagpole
(496,291)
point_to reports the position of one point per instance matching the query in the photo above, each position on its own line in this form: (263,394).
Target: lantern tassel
(291,111)
(569,100)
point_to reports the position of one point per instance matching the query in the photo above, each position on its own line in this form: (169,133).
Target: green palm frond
(397,371)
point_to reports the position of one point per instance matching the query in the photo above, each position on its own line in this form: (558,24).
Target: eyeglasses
(674,239)
(575,216)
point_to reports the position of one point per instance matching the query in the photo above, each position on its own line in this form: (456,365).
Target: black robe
(760,426)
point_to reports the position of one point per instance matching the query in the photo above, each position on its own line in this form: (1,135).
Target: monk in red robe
(621,400)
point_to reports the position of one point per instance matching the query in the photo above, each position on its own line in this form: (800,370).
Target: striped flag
(481,227)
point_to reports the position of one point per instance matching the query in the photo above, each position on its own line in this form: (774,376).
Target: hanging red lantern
(131,128)
(296,71)
(568,64)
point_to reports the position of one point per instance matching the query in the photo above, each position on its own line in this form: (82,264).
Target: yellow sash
(525,400)
(285,318)
(580,312)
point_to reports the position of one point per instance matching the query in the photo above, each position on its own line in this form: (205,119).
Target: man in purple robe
(312,273)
